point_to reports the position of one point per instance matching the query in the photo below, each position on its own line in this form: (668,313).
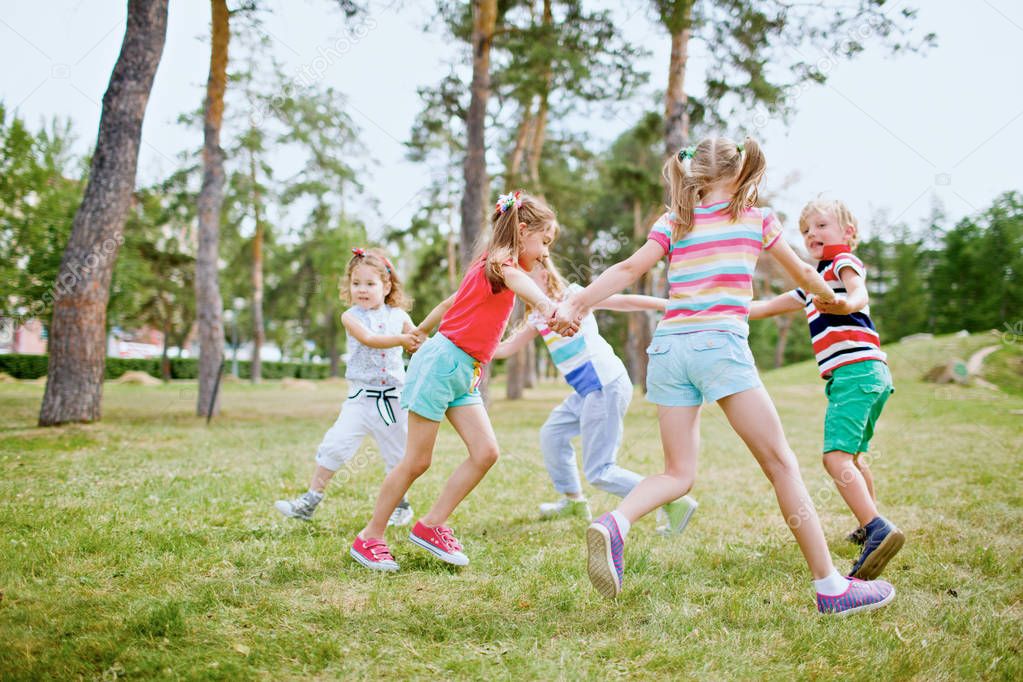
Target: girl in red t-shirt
(443,378)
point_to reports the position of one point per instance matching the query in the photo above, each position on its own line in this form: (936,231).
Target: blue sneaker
(883,542)
(860,595)
(604,561)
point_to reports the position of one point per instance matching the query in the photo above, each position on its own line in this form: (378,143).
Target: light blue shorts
(441,375)
(696,367)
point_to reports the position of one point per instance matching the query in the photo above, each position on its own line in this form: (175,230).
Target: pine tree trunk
(540,122)
(484,13)
(209,305)
(77,345)
(676,116)
(516,364)
(165,372)
(258,330)
(511,174)
(638,322)
(529,378)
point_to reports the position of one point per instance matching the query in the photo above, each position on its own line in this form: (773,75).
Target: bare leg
(473,425)
(861,463)
(321,477)
(753,416)
(851,485)
(422,434)
(680,436)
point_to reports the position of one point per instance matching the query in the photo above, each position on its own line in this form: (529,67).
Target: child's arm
(433,318)
(364,336)
(856,297)
(611,281)
(628,303)
(803,273)
(525,288)
(517,342)
(779,305)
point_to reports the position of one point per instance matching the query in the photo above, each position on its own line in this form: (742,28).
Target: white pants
(599,419)
(374,412)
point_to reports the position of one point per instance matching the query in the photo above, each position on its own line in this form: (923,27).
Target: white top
(376,367)
(586,360)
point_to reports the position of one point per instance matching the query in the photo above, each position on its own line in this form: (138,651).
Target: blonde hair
(556,285)
(504,235)
(376,259)
(712,161)
(835,208)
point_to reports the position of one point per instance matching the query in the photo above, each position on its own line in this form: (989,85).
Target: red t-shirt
(477,318)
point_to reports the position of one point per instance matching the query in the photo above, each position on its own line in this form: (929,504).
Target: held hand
(410,342)
(564,319)
(837,307)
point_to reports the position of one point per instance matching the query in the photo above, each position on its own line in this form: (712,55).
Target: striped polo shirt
(710,269)
(586,360)
(840,339)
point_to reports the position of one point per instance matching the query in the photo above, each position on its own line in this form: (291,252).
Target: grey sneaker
(673,517)
(299,508)
(566,507)
(402,514)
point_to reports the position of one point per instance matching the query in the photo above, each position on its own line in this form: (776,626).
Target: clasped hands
(564,318)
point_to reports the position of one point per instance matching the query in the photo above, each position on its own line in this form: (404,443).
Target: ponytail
(693,169)
(751,170)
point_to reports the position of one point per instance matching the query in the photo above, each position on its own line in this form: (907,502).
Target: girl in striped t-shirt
(712,236)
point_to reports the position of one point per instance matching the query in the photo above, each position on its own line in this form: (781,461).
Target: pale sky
(886,134)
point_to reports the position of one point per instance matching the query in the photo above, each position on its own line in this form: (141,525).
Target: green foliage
(35,366)
(41,186)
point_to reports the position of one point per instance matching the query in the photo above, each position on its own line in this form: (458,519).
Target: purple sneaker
(604,562)
(861,595)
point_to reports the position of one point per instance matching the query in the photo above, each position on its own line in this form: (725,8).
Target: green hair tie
(740,147)
(687,153)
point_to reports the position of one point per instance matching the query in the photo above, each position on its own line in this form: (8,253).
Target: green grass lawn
(147,546)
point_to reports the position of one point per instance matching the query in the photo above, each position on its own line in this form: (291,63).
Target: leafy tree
(40,191)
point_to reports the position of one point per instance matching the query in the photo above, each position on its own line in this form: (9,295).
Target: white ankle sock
(623,523)
(831,585)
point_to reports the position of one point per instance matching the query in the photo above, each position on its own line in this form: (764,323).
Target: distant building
(27,337)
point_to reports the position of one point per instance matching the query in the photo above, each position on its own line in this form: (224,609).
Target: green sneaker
(566,507)
(673,517)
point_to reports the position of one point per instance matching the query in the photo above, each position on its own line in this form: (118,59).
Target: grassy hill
(147,546)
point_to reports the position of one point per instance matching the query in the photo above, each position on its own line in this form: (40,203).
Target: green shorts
(856,394)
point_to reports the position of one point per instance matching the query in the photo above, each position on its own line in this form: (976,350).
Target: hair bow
(361,253)
(506,201)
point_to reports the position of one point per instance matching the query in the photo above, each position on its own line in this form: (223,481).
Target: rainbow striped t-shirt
(586,360)
(710,269)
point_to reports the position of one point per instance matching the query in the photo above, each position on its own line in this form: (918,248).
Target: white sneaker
(566,507)
(673,517)
(402,515)
(301,507)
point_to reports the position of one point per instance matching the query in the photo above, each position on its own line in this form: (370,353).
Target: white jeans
(598,418)
(374,412)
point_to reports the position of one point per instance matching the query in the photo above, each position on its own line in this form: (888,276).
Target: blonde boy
(849,355)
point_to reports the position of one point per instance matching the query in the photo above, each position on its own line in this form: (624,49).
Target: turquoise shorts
(441,375)
(692,368)
(856,394)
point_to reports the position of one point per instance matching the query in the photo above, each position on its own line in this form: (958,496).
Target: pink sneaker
(861,595)
(373,554)
(439,541)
